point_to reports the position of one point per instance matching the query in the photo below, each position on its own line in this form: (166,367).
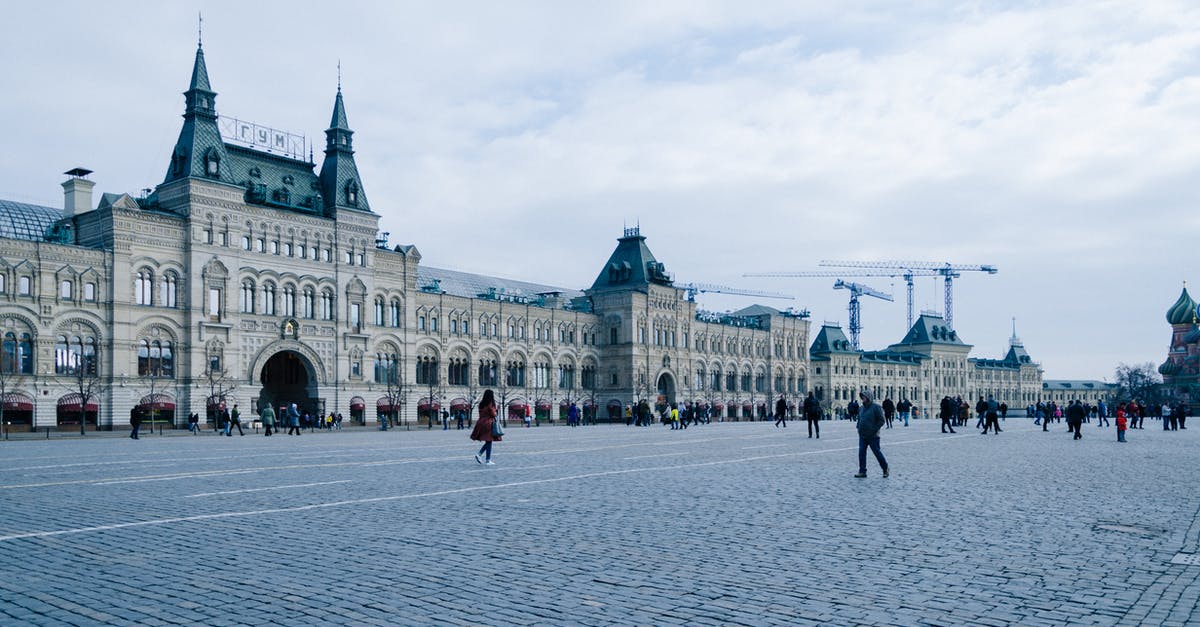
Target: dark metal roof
(471,285)
(20,220)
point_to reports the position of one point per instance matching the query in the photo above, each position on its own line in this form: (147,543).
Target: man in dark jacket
(781,409)
(1075,418)
(812,415)
(889,411)
(946,410)
(870,421)
(991,411)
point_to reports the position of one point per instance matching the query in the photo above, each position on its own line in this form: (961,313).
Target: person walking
(781,411)
(293,416)
(905,409)
(1075,419)
(812,415)
(991,411)
(225,420)
(235,420)
(194,423)
(981,412)
(946,411)
(135,421)
(267,418)
(889,411)
(485,429)
(870,421)
(1121,424)
(1183,412)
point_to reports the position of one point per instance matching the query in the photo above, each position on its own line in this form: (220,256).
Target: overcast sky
(1057,141)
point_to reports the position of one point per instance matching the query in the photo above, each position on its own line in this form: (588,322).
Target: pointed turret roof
(831,339)
(199,152)
(930,329)
(199,72)
(1184,309)
(341,185)
(631,265)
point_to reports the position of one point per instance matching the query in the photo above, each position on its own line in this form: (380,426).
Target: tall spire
(199,152)
(341,186)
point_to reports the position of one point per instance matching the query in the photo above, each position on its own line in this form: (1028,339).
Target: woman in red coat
(483,428)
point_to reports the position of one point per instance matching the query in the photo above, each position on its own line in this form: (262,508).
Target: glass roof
(19,220)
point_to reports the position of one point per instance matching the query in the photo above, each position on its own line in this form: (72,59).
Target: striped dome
(1183,311)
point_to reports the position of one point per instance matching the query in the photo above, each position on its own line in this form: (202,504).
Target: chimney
(77,192)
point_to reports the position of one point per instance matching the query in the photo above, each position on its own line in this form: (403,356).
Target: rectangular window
(301,251)
(214,302)
(349,258)
(260,245)
(274,247)
(24,286)
(245,242)
(433,320)
(287,249)
(355,312)
(362,259)
(65,290)
(206,236)
(327,255)
(89,291)
(420,323)
(224,238)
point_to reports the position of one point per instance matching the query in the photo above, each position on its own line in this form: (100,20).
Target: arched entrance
(287,378)
(666,388)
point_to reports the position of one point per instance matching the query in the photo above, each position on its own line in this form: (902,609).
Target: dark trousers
(814,424)
(782,418)
(238,424)
(486,449)
(991,422)
(946,424)
(134,432)
(1075,426)
(873,443)
(266,429)
(293,429)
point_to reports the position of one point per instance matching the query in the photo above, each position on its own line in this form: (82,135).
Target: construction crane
(696,288)
(910,269)
(856,290)
(906,274)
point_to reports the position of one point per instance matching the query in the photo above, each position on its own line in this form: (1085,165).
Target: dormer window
(352,193)
(212,163)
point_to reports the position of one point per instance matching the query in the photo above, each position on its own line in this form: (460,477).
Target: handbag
(497,430)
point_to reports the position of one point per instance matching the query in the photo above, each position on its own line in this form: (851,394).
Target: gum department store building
(254,277)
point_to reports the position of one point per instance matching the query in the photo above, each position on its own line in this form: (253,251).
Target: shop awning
(357,404)
(157,402)
(459,404)
(71,402)
(17,401)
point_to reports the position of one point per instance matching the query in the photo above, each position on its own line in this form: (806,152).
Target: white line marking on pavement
(277,487)
(222,473)
(659,455)
(418,495)
(478,470)
(748,448)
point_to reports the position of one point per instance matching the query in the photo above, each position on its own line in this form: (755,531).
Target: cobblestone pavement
(719,524)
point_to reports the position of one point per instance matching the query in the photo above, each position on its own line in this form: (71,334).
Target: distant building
(930,362)
(1063,391)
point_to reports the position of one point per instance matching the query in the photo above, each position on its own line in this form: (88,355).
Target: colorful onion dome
(1184,309)
(1168,368)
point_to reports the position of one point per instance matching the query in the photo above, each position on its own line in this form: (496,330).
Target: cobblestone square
(719,524)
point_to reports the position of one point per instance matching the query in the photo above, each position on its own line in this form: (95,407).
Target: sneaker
(478,460)
(885,473)
(861,475)
(490,463)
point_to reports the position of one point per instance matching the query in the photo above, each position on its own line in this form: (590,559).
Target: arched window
(268,299)
(326,305)
(351,193)
(386,365)
(378,312)
(394,314)
(169,290)
(142,287)
(306,303)
(16,354)
(289,300)
(66,290)
(246,302)
(212,160)
(487,372)
(156,359)
(75,354)
(427,370)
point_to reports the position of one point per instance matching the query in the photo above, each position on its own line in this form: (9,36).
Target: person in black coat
(812,415)
(1075,414)
(946,411)
(780,411)
(889,411)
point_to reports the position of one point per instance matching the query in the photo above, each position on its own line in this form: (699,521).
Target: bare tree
(1138,381)
(396,393)
(220,384)
(85,373)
